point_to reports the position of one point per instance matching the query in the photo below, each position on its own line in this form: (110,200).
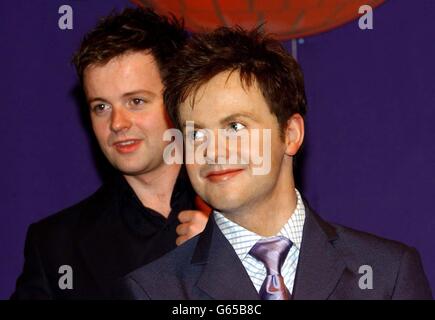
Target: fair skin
(128,118)
(261,203)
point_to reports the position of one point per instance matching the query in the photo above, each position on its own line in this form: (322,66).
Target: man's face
(223,103)
(127,111)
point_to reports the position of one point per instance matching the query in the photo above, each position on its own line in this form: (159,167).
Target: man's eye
(137,101)
(197,135)
(236,127)
(100,108)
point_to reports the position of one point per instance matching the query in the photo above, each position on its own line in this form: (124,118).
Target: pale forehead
(126,62)
(138,68)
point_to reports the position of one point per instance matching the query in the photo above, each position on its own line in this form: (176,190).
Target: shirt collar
(146,221)
(243,240)
(181,188)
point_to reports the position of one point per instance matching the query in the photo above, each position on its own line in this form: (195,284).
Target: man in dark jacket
(263,240)
(147,206)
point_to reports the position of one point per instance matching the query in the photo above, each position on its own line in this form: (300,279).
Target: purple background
(369,157)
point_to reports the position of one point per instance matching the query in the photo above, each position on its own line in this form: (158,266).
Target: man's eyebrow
(132,93)
(195,124)
(96,99)
(237,116)
(127,94)
(226,120)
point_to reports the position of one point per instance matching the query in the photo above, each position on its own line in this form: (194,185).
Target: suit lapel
(223,276)
(320,265)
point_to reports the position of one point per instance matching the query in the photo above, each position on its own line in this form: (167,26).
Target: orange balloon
(285,19)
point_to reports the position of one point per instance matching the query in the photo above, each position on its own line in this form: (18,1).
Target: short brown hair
(256,56)
(134,29)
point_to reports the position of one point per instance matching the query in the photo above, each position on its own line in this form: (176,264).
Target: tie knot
(272,252)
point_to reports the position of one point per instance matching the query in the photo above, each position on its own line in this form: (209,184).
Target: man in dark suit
(147,206)
(263,240)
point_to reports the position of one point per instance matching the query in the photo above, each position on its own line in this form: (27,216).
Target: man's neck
(267,216)
(154,189)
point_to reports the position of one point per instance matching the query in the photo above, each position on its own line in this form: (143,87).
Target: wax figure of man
(264,241)
(147,207)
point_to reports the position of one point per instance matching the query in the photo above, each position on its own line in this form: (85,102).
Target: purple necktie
(272,252)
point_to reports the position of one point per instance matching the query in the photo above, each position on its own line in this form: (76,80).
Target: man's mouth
(127,146)
(223,175)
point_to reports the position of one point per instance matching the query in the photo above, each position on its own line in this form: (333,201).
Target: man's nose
(120,120)
(217,151)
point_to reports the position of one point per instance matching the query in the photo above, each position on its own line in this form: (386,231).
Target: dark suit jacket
(207,267)
(100,241)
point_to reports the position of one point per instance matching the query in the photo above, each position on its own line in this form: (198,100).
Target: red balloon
(286,19)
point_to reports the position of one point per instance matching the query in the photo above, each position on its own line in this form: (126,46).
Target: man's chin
(130,170)
(223,204)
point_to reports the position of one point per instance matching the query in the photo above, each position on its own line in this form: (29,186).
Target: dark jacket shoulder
(332,264)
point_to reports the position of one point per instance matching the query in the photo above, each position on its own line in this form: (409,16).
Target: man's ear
(294,134)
